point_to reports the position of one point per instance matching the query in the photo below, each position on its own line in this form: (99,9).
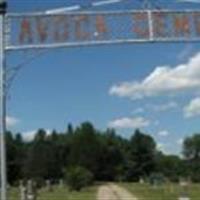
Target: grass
(162,192)
(59,194)
(142,191)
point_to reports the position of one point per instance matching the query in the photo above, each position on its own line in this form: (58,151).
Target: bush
(195,177)
(78,177)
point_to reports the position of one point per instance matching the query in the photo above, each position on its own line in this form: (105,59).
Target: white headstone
(23,193)
(61,183)
(183,183)
(49,186)
(141,181)
(31,191)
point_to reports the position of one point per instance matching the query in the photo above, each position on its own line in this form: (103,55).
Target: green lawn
(143,192)
(163,192)
(60,194)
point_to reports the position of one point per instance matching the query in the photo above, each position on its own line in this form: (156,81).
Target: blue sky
(100,84)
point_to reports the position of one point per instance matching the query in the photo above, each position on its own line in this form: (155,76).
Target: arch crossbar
(40,30)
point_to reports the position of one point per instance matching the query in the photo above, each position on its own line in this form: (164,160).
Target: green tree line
(104,154)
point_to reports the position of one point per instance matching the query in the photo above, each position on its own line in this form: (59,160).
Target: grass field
(59,194)
(142,191)
(163,192)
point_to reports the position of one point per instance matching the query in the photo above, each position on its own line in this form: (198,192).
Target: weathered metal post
(3,101)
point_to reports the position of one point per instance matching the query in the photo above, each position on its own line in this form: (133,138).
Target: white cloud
(162,81)
(138,111)
(164,107)
(165,148)
(137,122)
(11,121)
(180,141)
(29,135)
(163,133)
(193,108)
(160,146)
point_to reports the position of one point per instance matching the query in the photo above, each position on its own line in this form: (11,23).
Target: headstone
(141,181)
(184,189)
(31,190)
(155,184)
(156,180)
(61,183)
(184,198)
(183,183)
(23,191)
(49,186)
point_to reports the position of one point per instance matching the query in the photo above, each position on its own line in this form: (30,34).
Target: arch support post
(3,102)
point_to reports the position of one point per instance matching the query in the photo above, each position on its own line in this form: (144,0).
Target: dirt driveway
(114,192)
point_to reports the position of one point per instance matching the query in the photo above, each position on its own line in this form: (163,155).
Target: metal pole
(3,102)
(151,28)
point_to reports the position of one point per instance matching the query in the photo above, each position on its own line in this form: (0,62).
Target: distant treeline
(108,156)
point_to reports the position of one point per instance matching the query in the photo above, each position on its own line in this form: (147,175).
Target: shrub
(78,177)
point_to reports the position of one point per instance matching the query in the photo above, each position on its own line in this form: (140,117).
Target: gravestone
(141,181)
(49,186)
(184,198)
(184,189)
(23,191)
(61,183)
(31,190)
(156,180)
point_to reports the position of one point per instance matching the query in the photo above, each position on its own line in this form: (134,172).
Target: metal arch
(109,40)
(100,43)
(37,14)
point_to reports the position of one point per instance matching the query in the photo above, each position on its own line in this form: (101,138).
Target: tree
(41,158)
(142,155)
(11,157)
(78,177)
(191,147)
(171,166)
(20,154)
(106,155)
(85,148)
(111,160)
(191,151)
(70,129)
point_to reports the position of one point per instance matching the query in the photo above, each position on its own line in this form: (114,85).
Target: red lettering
(80,21)
(42,28)
(181,24)
(197,23)
(100,25)
(140,28)
(25,35)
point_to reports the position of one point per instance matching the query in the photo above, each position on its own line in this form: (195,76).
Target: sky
(154,87)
